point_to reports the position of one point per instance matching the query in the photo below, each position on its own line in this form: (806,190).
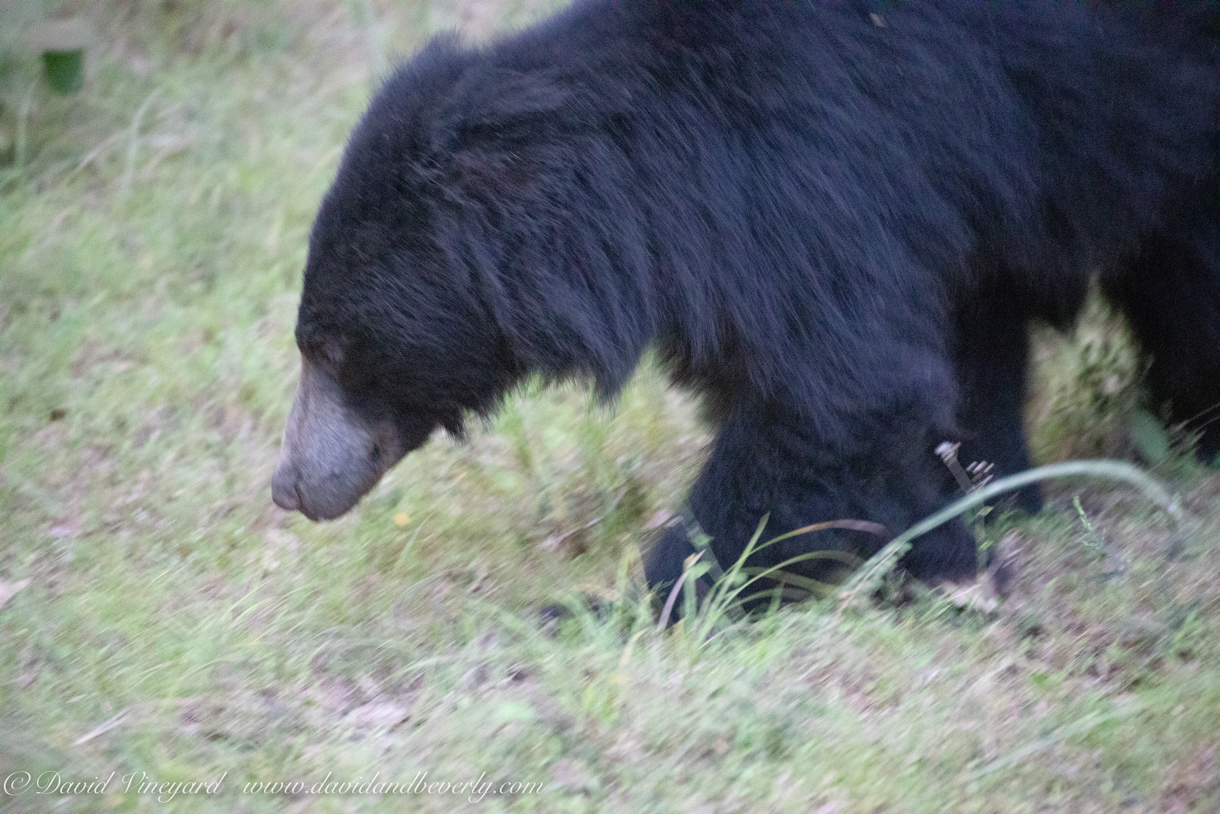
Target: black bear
(833,220)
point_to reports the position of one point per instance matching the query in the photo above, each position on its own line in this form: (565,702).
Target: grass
(177,628)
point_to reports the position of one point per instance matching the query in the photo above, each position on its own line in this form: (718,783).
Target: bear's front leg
(769,463)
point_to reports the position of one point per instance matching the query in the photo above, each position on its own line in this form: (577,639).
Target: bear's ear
(508,118)
(511,109)
(515,145)
(331,351)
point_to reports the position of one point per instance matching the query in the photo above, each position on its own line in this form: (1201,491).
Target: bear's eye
(324,351)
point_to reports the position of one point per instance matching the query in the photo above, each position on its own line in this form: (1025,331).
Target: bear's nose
(284,490)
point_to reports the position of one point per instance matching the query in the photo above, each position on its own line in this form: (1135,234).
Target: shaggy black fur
(833,220)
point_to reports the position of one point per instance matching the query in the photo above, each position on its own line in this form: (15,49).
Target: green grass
(176,627)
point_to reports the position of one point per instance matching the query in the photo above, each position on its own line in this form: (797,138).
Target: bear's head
(397,338)
(443,264)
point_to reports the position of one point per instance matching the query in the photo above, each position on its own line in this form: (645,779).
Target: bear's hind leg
(1170,295)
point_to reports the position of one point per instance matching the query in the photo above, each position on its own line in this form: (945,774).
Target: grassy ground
(177,628)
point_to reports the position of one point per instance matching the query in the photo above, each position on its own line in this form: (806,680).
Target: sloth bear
(832,220)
